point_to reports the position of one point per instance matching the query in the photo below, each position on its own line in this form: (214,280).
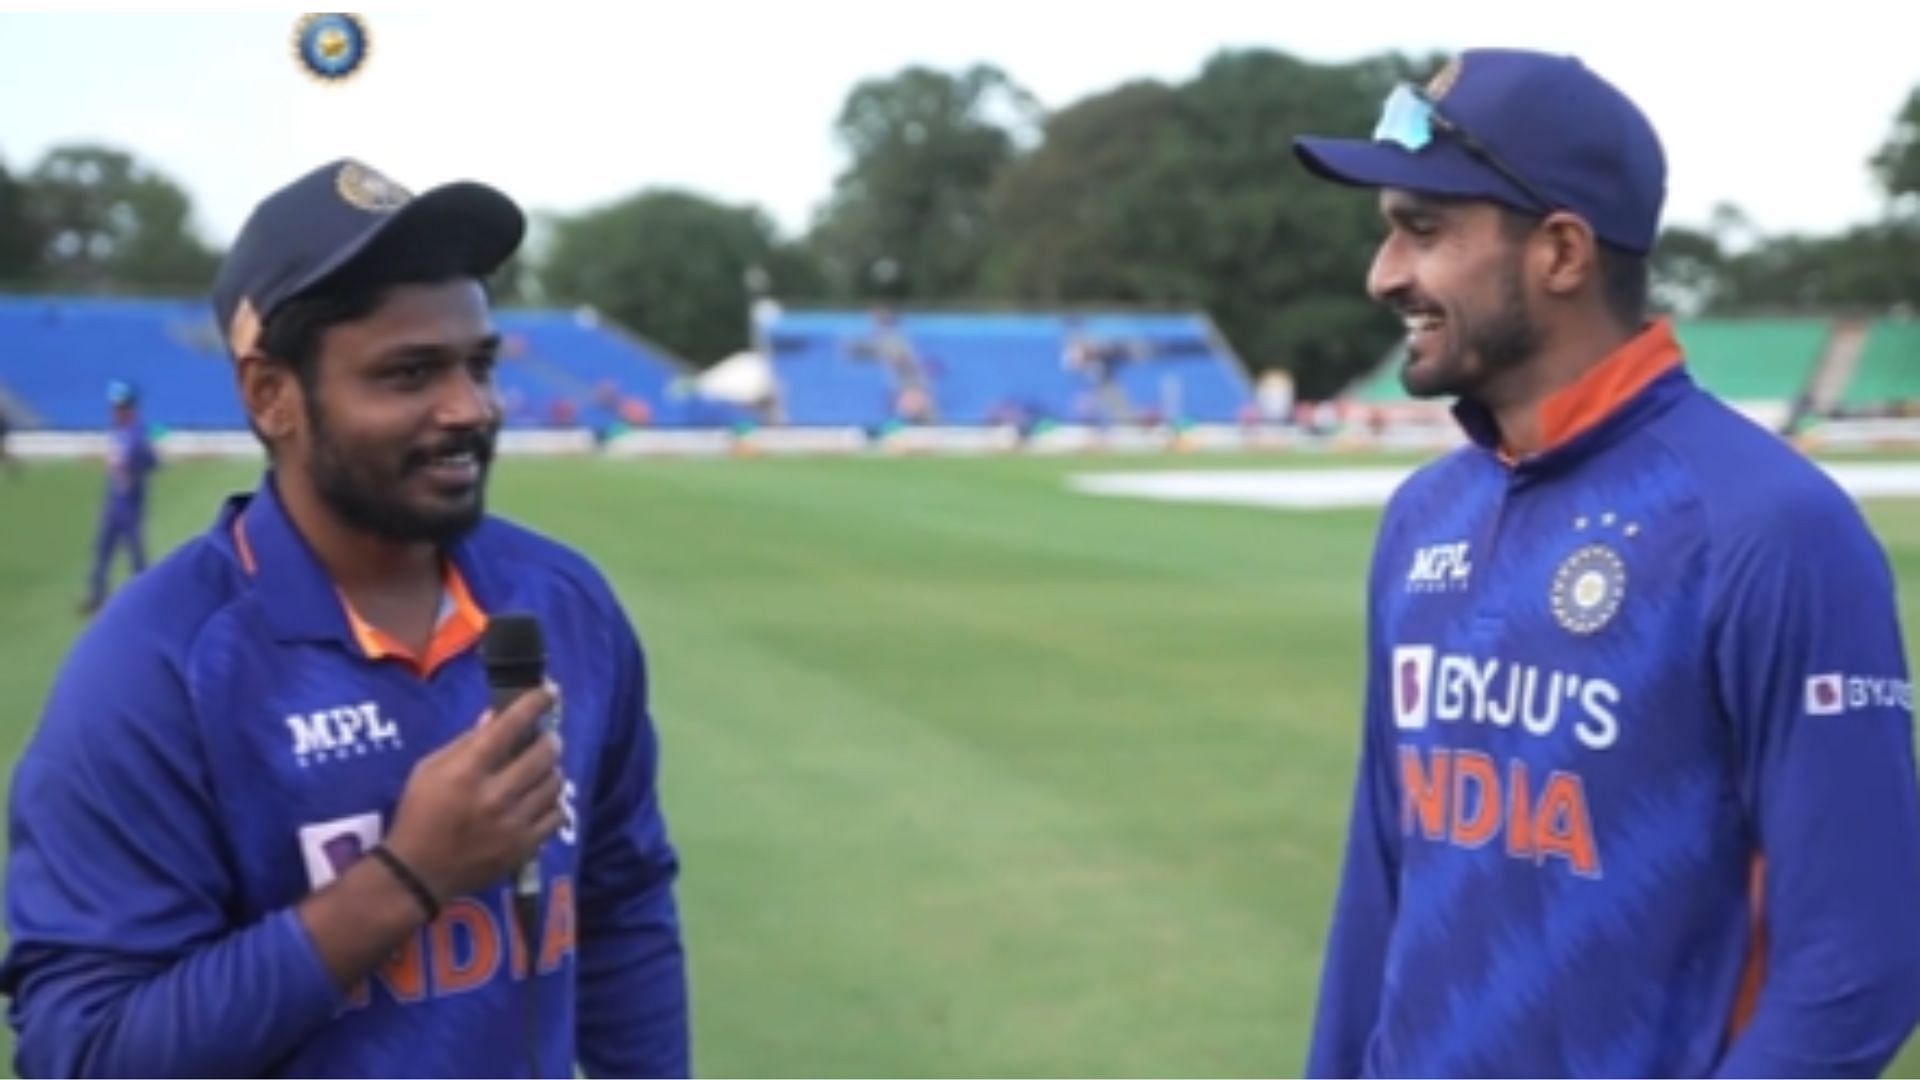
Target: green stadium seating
(1382,385)
(1753,359)
(1889,369)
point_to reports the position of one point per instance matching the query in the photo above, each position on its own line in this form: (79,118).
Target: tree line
(960,189)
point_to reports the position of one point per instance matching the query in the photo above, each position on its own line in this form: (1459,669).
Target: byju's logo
(329,847)
(1412,672)
(1835,693)
(342,732)
(1432,687)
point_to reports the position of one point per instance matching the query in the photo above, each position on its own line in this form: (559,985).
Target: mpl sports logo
(1440,568)
(342,732)
(1836,693)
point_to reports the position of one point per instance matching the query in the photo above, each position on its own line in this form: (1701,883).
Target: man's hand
(473,812)
(478,808)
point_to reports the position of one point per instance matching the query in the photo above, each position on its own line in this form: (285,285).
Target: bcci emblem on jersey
(1587,589)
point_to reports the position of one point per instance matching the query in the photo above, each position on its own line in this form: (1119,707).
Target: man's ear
(271,395)
(1568,253)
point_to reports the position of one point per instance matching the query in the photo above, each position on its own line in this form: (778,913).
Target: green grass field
(970,775)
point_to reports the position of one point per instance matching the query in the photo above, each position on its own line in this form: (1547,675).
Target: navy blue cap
(1562,129)
(316,226)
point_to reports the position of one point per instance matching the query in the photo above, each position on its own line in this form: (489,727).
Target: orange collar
(461,622)
(1574,409)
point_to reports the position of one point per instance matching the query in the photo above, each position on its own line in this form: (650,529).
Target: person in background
(7,460)
(907,371)
(123,512)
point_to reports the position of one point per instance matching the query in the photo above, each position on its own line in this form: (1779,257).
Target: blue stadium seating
(553,355)
(57,355)
(986,367)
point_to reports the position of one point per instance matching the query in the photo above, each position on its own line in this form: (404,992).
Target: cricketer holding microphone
(267,824)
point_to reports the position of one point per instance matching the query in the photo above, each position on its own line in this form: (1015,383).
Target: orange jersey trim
(1753,972)
(1574,409)
(242,548)
(458,629)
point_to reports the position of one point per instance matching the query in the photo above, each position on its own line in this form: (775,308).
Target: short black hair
(1624,275)
(292,334)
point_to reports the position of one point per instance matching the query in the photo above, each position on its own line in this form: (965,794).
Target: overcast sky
(736,100)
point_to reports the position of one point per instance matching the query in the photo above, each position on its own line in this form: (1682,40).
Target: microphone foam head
(512,639)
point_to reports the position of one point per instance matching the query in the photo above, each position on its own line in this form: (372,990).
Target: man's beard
(1499,342)
(365,492)
(1509,338)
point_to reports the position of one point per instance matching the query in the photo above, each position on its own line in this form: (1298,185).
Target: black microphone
(515,656)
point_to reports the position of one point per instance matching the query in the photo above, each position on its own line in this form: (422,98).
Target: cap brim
(465,225)
(1442,169)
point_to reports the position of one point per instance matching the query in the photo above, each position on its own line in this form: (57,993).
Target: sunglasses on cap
(1410,119)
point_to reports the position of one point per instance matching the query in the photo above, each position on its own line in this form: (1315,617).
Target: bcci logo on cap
(365,188)
(331,47)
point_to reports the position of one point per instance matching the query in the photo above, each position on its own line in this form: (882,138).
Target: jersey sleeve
(633,994)
(121,957)
(1812,673)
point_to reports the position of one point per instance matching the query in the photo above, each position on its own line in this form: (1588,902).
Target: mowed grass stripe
(910,721)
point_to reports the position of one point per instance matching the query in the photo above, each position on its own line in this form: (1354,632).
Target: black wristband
(405,875)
